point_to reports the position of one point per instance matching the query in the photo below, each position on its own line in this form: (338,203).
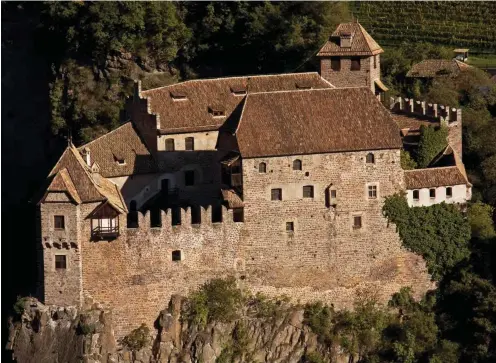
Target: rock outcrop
(55,334)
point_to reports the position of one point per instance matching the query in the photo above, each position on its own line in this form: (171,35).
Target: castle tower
(351,58)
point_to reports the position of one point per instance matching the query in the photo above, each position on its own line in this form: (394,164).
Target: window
(238,215)
(189,178)
(357,222)
(218,113)
(189,143)
(177,255)
(432,193)
(59,222)
(415,195)
(370,159)
(372,191)
(355,64)
(308,191)
(276,194)
(297,164)
(290,227)
(335,63)
(375,61)
(262,168)
(333,193)
(169,145)
(60,262)
(449,192)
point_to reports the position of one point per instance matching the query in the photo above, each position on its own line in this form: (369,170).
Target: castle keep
(278,180)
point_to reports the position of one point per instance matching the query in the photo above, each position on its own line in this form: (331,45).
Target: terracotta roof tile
(434,177)
(362,43)
(431,68)
(193,113)
(411,122)
(315,121)
(122,144)
(232,199)
(62,182)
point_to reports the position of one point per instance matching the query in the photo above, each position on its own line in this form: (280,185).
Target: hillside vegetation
(451,23)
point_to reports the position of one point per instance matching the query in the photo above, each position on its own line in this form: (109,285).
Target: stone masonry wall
(346,77)
(325,258)
(61,286)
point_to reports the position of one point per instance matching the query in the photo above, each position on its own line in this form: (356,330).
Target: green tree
(407,162)
(432,142)
(480,219)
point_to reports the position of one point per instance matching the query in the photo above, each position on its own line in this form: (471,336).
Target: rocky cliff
(65,334)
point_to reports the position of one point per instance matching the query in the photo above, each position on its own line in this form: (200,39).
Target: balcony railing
(105,232)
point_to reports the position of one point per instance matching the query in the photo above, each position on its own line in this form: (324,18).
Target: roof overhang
(381,85)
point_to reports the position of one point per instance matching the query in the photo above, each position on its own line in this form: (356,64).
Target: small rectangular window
(333,193)
(60,262)
(238,215)
(355,64)
(177,256)
(189,178)
(169,145)
(416,195)
(449,192)
(189,143)
(308,191)
(357,222)
(432,193)
(372,191)
(335,64)
(59,222)
(289,226)
(276,194)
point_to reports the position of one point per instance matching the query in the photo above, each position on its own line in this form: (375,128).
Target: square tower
(351,58)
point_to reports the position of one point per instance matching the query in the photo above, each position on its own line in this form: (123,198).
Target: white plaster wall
(203,140)
(460,195)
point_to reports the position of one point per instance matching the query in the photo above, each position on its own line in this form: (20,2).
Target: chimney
(86,156)
(345,39)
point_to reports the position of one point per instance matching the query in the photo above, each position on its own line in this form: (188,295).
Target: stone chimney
(345,39)
(86,156)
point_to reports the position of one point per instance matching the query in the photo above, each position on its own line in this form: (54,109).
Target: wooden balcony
(100,232)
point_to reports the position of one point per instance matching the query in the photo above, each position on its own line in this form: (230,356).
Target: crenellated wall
(445,115)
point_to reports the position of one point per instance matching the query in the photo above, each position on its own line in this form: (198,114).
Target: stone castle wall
(345,77)
(325,258)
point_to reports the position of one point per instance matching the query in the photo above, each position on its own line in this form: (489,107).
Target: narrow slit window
(189,143)
(59,222)
(308,191)
(416,195)
(297,165)
(357,222)
(238,215)
(370,159)
(262,168)
(372,191)
(432,193)
(169,145)
(60,262)
(449,192)
(290,227)
(276,194)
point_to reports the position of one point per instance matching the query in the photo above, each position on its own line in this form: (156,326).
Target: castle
(278,180)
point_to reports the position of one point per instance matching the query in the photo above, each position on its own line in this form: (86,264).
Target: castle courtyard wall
(325,258)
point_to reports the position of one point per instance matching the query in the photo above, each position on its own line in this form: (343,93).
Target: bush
(439,233)
(138,338)
(432,142)
(313,357)
(19,305)
(318,317)
(217,300)
(407,162)
(480,219)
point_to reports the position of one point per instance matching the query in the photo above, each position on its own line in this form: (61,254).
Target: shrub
(407,163)
(138,338)
(313,357)
(85,329)
(479,217)
(432,142)
(19,305)
(266,307)
(216,300)
(318,317)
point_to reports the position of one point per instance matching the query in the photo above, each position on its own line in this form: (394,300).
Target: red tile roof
(431,68)
(434,177)
(192,113)
(362,44)
(315,121)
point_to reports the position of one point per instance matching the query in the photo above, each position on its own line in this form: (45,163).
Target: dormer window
(238,90)
(178,95)
(119,159)
(303,85)
(345,39)
(217,111)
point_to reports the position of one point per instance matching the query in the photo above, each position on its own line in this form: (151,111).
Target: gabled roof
(430,68)
(315,121)
(231,198)
(122,144)
(434,177)
(362,44)
(62,182)
(192,114)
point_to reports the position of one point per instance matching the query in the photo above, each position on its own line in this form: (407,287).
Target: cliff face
(53,334)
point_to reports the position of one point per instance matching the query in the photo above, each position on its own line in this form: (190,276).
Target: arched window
(262,168)
(370,159)
(189,143)
(297,164)
(169,145)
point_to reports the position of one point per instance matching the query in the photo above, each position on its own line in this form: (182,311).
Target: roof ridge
(436,167)
(305,90)
(231,77)
(106,134)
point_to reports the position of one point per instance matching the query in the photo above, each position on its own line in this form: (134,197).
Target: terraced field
(457,24)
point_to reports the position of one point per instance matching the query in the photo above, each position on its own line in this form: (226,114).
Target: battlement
(173,218)
(432,111)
